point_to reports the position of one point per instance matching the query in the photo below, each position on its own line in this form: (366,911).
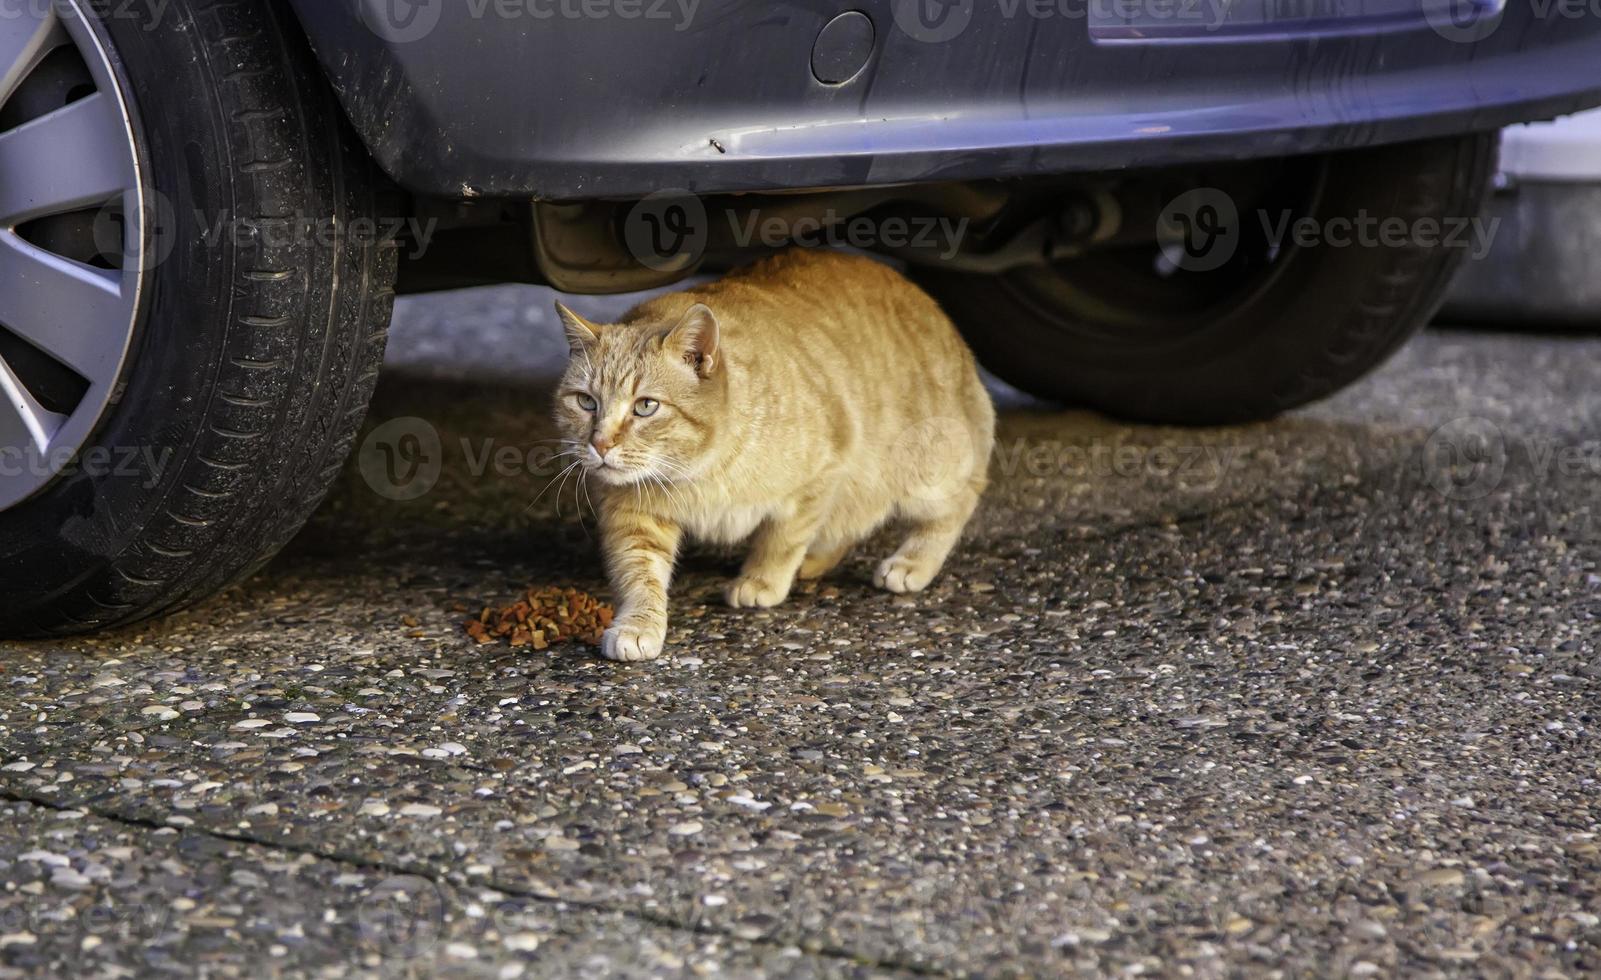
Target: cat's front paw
(632,644)
(754,592)
(902,575)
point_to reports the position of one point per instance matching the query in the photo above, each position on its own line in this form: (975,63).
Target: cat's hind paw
(819,563)
(754,592)
(630,644)
(902,575)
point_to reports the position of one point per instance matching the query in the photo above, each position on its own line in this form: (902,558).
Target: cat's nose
(602,445)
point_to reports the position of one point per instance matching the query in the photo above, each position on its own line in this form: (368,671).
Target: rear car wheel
(194,294)
(1243,301)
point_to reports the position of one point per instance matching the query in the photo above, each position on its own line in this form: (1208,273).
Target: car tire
(267,289)
(1303,322)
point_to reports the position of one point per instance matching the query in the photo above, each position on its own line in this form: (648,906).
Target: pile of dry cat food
(543,618)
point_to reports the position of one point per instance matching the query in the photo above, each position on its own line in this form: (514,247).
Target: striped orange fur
(798,406)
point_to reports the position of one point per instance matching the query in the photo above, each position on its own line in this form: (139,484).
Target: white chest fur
(726,525)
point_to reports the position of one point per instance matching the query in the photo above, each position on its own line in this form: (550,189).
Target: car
(1177,211)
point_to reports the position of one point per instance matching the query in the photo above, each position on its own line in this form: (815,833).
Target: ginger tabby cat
(799,404)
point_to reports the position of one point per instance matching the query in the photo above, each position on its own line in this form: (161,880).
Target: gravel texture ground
(1319,696)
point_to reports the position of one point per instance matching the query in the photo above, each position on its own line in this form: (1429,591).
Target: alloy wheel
(73,239)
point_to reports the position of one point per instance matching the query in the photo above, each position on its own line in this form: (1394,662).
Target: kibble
(542,618)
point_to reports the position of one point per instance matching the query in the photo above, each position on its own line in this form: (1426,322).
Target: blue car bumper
(567,99)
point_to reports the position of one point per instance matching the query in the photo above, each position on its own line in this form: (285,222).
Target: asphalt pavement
(1318,696)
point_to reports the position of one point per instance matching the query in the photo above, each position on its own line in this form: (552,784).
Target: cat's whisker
(673,467)
(583,482)
(675,494)
(580,495)
(649,483)
(672,495)
(680,493)
(551,482)
(563,488)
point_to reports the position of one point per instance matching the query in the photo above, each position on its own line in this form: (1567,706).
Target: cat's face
(640,402)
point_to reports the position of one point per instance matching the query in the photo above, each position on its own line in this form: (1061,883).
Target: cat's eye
(646,407)
(587,402)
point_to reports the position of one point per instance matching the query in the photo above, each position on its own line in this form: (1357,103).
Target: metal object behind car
(621,99)
(1544,264)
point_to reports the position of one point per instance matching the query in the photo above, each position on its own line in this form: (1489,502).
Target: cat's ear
(696,339)
(581,333)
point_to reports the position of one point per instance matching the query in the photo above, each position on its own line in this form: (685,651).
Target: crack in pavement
(399,868)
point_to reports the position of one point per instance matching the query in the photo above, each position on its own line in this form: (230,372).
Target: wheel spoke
(25,426)
(26,36)
(55,160)
(72,158)
(72,312)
